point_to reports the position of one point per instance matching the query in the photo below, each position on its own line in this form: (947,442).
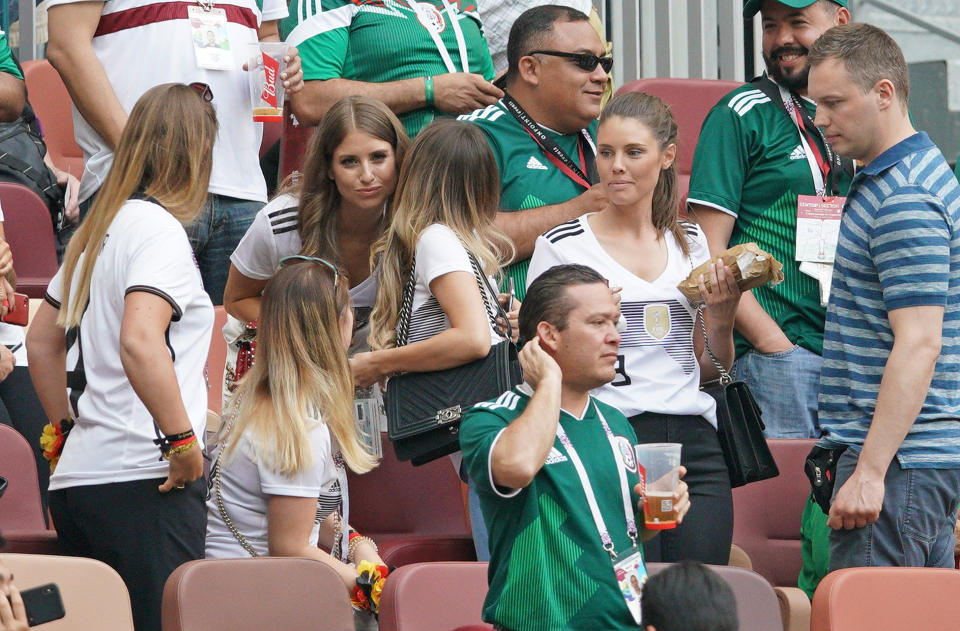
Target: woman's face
(629,160)
(364,169)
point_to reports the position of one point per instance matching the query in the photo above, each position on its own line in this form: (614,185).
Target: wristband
(428,91)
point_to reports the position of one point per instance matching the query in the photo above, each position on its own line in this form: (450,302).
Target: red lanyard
(811,140)
(560,164)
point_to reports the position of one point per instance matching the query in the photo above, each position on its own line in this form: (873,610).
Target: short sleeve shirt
(527,178)
(548,568)
(146,249)
(6,58)
(657,369)
(378,42)
(246,484)
(751,164)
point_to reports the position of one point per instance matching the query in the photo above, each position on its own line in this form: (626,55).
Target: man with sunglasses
(542,131)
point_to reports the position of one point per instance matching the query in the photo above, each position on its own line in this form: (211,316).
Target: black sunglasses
(584,61)
(203,90)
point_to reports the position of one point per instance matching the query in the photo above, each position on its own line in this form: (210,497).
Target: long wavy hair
(449,177)
(656,116)
(319,203)
(301,372)
(166,152)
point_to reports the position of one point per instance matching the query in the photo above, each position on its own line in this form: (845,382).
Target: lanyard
(435,35)
(588,489)
(552,150)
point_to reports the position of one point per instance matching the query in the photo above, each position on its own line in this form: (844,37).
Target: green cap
(750,7)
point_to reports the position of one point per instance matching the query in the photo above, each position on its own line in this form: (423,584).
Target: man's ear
(528,67)
(886,93)
(549,337)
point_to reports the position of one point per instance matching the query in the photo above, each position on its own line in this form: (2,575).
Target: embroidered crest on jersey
(798,153)
(656,320)
(626,453)
(533,163)
(554,457)
(430,17)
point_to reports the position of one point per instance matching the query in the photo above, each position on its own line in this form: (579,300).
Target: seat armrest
(794,608)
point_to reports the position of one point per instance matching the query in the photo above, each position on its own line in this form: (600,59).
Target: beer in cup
(265,63)
(658,465)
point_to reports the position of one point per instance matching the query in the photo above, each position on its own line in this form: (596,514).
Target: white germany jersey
(657,369)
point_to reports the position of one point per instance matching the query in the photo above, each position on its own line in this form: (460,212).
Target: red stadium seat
(690,100)
(51,103)
(887,599)
(434,597)
(415,514)
(29,232)
(21,512)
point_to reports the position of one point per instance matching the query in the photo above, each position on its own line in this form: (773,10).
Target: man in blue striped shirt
(890,385)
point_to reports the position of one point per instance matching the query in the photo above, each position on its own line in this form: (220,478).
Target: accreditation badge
(211,42)
(631,577)
(818,227)
(370,417)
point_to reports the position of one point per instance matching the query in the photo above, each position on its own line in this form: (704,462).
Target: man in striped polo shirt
(889,388)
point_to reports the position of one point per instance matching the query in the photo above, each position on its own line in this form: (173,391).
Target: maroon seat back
(690,100)
(767,514)
(29,231)
(20,507)
(51,103)
(434,597)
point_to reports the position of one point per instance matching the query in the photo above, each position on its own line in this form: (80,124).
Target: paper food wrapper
(751,267)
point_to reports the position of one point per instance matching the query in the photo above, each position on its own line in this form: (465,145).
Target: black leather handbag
(424,409)
(739,426)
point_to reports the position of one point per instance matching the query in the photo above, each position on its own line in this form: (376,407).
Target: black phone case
(43,604)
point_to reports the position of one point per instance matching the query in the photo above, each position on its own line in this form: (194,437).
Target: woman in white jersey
(126,488)
(290,432)
(639,244)
(339,208)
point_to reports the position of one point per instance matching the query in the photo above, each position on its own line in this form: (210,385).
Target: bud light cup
(265,63)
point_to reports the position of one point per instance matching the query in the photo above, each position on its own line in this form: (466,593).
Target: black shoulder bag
(424,409)
(739,425)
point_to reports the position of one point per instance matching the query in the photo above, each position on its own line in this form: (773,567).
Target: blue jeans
(915,528)
(214,235)
(481,538)
(785,385)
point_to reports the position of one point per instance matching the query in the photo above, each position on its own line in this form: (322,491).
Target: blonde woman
(126,488)
(291,431)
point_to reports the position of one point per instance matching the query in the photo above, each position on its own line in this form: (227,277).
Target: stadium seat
(255,595)
(29,231)
(757,606)
(434,597)
(293,144)
(93,594)
(415,514)
(216,360)
(51,104)
(887,599)
(690,100)
(21,512)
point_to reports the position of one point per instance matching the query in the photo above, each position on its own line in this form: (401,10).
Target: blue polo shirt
(899,247)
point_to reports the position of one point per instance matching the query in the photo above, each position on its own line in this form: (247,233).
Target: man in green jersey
(420,58)
(542,131)
(758,152)
(540,452)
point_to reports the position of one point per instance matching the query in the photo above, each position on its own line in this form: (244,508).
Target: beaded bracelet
(180,447)
(355,540)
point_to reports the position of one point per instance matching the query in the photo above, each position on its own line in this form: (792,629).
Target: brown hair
(319,199)
(868,54)
(656,116)
(166,152)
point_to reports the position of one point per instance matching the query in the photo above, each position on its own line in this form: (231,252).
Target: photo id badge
(211,42)
(818,226)
(631,576)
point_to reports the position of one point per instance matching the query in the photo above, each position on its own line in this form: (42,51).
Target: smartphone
(43,604)
(22,312)
(511,294)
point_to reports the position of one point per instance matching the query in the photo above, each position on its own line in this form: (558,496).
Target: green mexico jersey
(377,41)
(548,569)
(527,178)
(6,58)
(751,164)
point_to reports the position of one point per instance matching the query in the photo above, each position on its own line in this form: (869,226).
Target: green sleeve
(478,431)
(6,58)
(324,51)
(720,160)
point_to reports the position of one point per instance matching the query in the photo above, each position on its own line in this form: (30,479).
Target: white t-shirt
(141,46)
(246,485)
(657,370)
(272,236)
(146,249)
(438,252)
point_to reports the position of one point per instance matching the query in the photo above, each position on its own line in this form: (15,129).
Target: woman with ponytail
(640,244)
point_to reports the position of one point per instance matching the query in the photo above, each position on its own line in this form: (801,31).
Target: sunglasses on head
(584,61)
(294,258)
(203,90)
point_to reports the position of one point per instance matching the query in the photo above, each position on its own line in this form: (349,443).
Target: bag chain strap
(725,377)
(215,473)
